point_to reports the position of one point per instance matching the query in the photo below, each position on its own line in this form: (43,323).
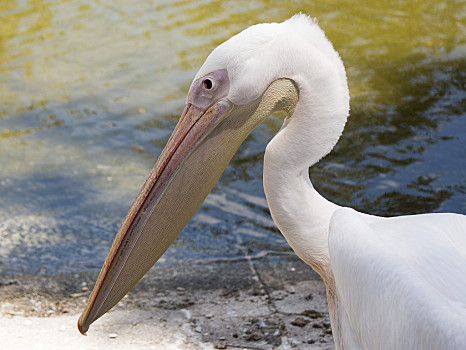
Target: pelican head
(254,74)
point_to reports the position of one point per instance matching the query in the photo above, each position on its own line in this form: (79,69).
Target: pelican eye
(208,84)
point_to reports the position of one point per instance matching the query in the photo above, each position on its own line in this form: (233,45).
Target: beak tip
(82,328)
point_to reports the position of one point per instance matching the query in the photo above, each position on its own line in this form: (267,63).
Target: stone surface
(245,304)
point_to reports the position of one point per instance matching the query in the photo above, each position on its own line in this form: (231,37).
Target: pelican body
(392,283)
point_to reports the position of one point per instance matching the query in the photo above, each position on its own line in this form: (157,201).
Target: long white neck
(299,211)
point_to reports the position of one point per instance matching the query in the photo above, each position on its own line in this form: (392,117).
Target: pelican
(392,283)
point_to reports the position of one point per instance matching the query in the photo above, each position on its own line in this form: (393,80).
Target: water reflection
(399,144)
(91,91)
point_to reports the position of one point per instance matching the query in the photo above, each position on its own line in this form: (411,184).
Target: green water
(91,90)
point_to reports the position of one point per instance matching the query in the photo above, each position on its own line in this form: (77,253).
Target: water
(91,90)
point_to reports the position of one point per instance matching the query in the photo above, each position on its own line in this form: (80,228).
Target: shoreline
(265,303)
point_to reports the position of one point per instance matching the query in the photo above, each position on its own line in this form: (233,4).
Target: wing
(401,281)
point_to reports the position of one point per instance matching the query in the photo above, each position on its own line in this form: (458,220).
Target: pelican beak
(198,151)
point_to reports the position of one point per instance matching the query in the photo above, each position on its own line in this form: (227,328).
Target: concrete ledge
(270,302)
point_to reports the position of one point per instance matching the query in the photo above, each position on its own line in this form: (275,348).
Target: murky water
(91,90)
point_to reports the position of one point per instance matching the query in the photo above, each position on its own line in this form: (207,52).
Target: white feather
(401,281)
(392,283)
